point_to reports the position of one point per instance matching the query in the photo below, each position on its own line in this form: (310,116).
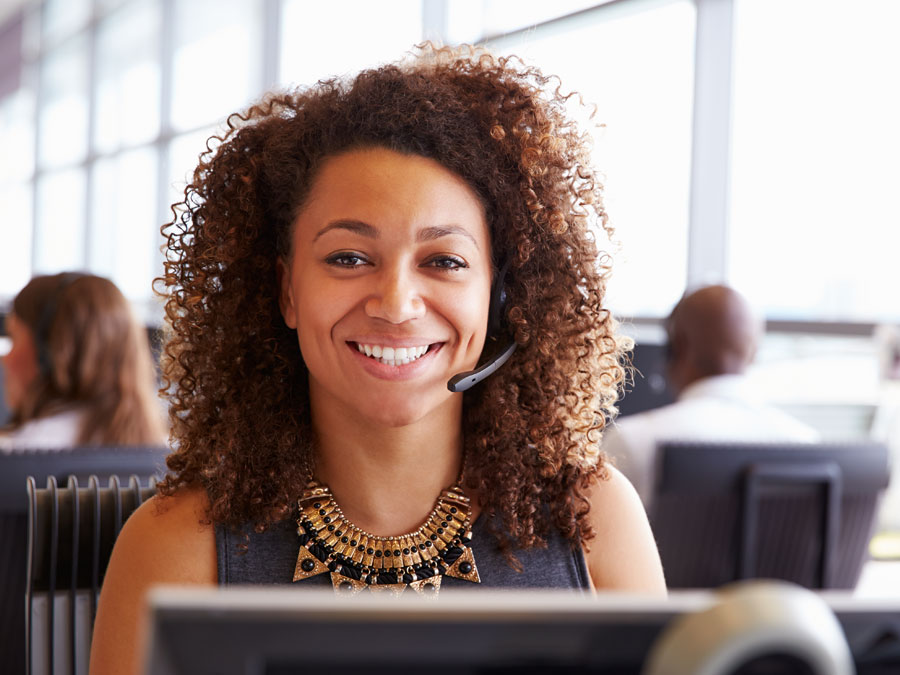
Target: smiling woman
(392,252)
(339,260)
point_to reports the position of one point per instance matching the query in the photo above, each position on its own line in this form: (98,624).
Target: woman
(333,269)
(79,371)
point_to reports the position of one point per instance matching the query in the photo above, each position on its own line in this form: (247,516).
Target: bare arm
(622,556)
(163,542)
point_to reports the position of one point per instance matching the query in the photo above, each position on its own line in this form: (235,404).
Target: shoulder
(170,537)
(622,556)
(168,540)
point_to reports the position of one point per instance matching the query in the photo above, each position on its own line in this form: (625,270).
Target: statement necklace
(358,560)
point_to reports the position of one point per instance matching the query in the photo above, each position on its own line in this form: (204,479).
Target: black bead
(429,589)
(331,528)
(449,519)
(345,586)
(397,553)
(465,567)
(387,554)
(433,537)
(353,543)
(377,554)
(452,509)
(428,543)
(361,548)
(440,530)
(317,505)
(370,551)
(344,540)
(338,533)
(444,524)
(308,565)
(421,547)
(321,512)
(406,551)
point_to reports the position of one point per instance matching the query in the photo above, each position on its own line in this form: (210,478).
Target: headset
(497,350)
(45,320)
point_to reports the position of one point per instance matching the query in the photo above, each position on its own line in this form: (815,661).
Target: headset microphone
(501,353)
(469,379)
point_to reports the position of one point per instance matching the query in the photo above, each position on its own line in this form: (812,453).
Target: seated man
(712,338)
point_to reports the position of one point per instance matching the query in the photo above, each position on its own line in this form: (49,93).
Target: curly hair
(233,369)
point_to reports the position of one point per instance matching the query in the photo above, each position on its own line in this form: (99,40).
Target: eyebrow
(355,226)
(425,234)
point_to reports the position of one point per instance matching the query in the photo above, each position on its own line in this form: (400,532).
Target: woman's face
(20,363)
(388,285)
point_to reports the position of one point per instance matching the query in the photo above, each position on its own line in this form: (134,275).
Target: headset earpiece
(498,346)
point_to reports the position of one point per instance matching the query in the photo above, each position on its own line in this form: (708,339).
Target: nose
(397,298)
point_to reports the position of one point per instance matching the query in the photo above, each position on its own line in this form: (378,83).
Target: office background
(752,142)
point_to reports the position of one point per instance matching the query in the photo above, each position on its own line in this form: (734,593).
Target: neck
(387,479)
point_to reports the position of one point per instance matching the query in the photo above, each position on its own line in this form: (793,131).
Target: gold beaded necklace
(357,560)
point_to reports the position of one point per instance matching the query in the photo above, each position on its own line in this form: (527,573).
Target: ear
(285,293)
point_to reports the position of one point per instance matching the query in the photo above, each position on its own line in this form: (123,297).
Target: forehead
(390,191)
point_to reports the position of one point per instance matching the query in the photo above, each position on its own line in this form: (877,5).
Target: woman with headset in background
(390,360)
(80,370)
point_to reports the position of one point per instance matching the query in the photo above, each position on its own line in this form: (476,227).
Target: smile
(393,356)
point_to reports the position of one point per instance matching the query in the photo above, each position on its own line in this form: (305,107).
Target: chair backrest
(15,467)
(799,512)
(71,532)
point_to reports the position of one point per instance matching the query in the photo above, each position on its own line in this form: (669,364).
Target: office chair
(797,512)
(15,467)
(71,532)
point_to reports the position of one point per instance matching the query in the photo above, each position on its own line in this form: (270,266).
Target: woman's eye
(447,262)
(346,260)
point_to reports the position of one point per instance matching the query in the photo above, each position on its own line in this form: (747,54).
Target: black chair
(798,512)
(15,467)
(71,532)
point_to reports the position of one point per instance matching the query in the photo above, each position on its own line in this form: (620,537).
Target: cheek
(318,309)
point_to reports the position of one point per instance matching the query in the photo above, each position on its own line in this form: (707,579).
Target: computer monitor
(278,631)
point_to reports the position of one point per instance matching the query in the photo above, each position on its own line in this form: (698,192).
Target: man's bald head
(712,331)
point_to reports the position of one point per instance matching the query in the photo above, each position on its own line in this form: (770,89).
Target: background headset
(498,346)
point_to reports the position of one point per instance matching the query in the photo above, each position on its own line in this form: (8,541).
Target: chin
(395,413)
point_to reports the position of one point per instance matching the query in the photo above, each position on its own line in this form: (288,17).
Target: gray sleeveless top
(272,555)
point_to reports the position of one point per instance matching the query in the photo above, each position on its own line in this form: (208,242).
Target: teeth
(393,356)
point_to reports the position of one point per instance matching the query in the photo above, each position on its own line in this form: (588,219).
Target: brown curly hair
(233,369)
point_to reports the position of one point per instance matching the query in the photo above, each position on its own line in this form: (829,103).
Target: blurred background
(747,142)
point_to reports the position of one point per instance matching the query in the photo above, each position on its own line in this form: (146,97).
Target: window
(364,34)
(637,67)
(815,232)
